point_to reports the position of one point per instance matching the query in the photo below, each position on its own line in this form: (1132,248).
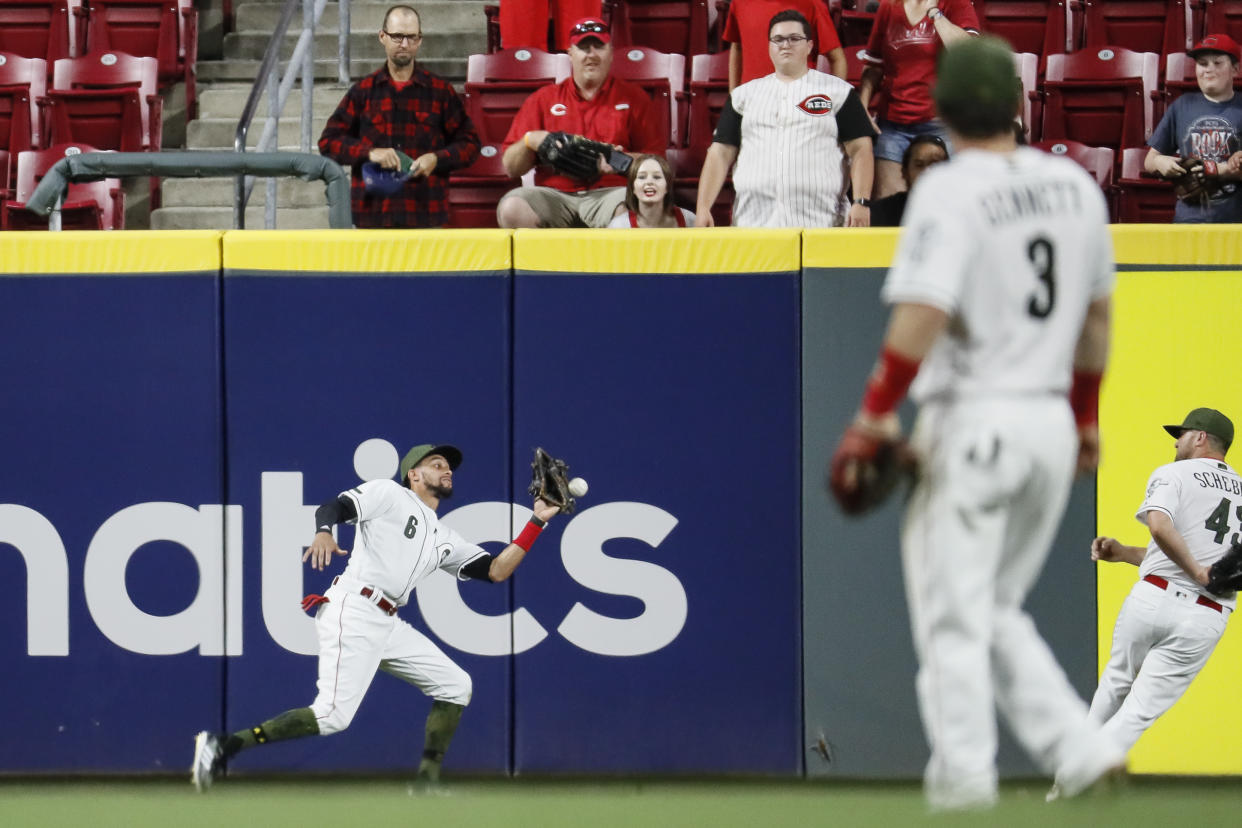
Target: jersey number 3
(1039,251)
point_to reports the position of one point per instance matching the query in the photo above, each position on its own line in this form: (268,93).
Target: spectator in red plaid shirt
(401,107)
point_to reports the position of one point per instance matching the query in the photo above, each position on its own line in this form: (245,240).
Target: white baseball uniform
(1169,625)
(1013,247)
(789,163)
(399,542)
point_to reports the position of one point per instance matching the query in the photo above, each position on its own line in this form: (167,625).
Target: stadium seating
(1100,97)
(475,191)
(31,74)
(662,76)
(1142,199)
(1161,26)
(709,86)
(686,163)
(497,84)
(672,26)
(1222,17)
(14,123)
(1027,66)
(854,22)
(1096,160)
(166,30)
(1041,27)
(94,205)
(5,177)
(107,100)
(35,29)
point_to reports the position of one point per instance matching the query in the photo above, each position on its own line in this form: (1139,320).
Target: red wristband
(888,383)
(528,534)
(1084,397)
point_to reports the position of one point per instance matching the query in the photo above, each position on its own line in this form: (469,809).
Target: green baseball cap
(977,88)
(1205,419)
(418,454)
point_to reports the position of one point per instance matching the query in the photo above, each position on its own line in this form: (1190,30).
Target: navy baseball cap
(384,182)
(418,454)
(1205,419)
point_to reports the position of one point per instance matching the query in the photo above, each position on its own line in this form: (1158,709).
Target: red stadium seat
(498,84)
(30,73)
(1100,97)
(1041,27)
(5,178)
(475,191)
(1161,26)
(854,23)
(166,30)
(661,76)
(107,100)
(94,205)
(35,29)
(709,87)
(1027,66)
(1221,17)
(14,124)
(671,26)
(1096,160)
(1142,199)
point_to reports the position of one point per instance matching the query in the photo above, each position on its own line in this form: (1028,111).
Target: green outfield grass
(240,803)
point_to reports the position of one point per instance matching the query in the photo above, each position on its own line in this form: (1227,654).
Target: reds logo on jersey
(558,109)
(816,105)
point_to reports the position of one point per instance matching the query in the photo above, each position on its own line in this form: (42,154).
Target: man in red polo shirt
(589,103)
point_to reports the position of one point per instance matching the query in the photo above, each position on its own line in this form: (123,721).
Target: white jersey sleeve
(371,499)
(455,552)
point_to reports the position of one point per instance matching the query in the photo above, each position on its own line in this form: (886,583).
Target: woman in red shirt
(905,41)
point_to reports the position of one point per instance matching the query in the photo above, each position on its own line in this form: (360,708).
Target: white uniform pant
(355,639)
(1161,641)
(993,485)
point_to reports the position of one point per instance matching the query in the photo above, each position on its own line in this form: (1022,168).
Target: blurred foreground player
(1000,293)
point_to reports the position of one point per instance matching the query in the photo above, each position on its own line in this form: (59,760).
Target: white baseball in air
(577,487)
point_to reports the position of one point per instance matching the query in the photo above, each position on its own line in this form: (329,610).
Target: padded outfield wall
(179,402)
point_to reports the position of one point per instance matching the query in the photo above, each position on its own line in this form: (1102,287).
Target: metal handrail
(278,90)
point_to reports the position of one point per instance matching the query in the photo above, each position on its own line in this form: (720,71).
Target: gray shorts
(591,208)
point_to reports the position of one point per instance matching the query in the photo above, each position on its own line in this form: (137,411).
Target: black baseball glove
(549,481)
(865,470)
(575,155)
(1225,576)
(1199,184)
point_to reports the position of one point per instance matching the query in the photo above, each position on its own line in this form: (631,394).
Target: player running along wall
(112,443)
(663,364)
(1175,347)
(858,657)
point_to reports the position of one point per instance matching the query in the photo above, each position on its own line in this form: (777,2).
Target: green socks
(292,724)
(441,725)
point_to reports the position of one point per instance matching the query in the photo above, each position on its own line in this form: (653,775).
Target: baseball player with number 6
(1000,293)
(1171,620)
(399,542)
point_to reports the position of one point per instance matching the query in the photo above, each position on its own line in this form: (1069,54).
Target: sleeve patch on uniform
(816,105)
(1156,483)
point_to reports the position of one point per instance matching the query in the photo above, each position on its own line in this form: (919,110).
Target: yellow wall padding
(1194,245)
(838,247)
(705,250)
(1174,347)
(368,251)
(94,252)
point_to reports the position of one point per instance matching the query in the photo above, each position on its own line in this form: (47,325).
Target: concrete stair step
(221,218)
(217,133)
(438,16)
(362,46)
(228,101)
(216,192)
(243,70)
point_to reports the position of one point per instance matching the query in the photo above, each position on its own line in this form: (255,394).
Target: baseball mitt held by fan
(866,469)
(1199,183)
(576,155)
(549,481)
(1225,576)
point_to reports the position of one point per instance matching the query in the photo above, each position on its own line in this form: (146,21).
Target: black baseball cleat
(207,761)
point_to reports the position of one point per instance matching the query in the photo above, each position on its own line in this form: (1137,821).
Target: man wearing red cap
(1204,125)
(591,103)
